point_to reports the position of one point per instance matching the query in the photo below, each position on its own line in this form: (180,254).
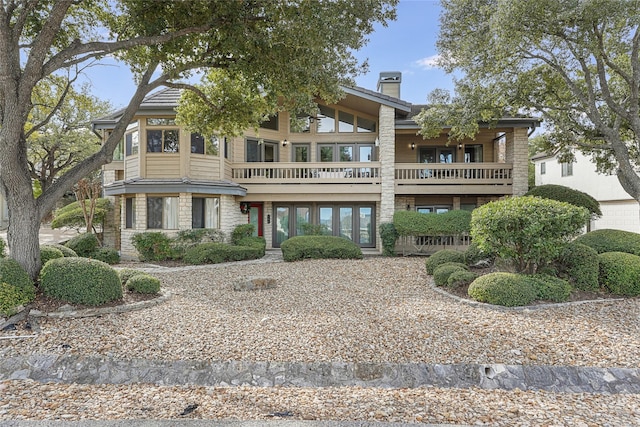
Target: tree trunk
(23,238)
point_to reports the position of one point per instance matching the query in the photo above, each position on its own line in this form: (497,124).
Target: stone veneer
(517,153)
(386,136)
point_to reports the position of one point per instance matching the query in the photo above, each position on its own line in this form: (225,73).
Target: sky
(406,45)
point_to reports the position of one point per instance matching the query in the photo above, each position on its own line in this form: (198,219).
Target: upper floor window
(345,152)
(300,124)
(163,141)
(258,150)
(132,143)
(202,145)
(300,152)
(473,153)
(155,121)
(567,169)
(270,123)
(345,121)
(327,119)
(543,168)
(366,125)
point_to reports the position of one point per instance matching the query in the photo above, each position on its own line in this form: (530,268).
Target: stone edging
(72,368)
(520,308)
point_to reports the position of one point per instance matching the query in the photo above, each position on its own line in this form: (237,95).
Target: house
(619,210)
(349,170)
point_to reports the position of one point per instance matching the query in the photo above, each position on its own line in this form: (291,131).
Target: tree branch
(53,111)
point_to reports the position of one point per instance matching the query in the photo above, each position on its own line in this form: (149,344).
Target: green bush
(71,215)
(531,231)
(48,252)
(318,247)
(443,256)
(566,194)
(153,246)
(10,298)
(460,278)
(579,264)
(388,235)
(242,231)
(83,244)
(620,273)
(314,230)
(452,223)
(12,273)
(3,248)
(126,273)
(108,255)
(506,289)
(143,284)
(65,250)
(550,288)
(80,281)
(611,241)
(254,242)
(443,271)
(215,253)
(189,238)
(473,254)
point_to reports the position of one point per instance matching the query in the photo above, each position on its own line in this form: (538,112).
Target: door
(255,218)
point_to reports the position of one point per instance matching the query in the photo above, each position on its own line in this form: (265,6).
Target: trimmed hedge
(68,252)
(126,273)
(443,256)
(317,247)
(506,289)
(108,255)
(11,272)
(10,298)
(620,273)
(550,288)
(80,281)
(388,235)
(215,253)
(242,231)
(452,223)
(608,240)
(579,263)
(153,246)
(473,254)
(143,284)
(83,244)
(566,194)
(254,242)
(443,271)
(47,253)
(461,278)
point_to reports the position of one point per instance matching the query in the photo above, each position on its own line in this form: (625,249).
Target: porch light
(413,145)
(260,141)
(377,142)
(285,142)
(459,145)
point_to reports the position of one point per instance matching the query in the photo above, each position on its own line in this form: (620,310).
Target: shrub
(254,242)
(551,288)
(607,240)
(108,255)
(506,289)
(3,248)
(10,298)
(12,273)
(566,194)
(80,281)
(153,246)
(215,253)
(452,223)
(48,252)
(143,284)
(620,273)
(388,235)
(441,257)
(528,230)
(189,238)
(242,231)
(126,273)
(68,252)
(83,244)
(473,254)
(314,229)
(443,271)
(71,215)
(317,247)
(579,263)
(460,278)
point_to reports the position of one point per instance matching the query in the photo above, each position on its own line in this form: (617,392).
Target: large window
(543,168)
(270,123)
(433,209)
(131,143)
(436,155)
(130,212)
(258,150)
(163,140)
(345,152)
(202,145)
(567,169)
(205,212)
(473,153)
(162,213)
(326,120)
(300,152)
(346,122)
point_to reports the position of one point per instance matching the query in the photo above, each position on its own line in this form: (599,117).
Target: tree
(575,63)
(289,49)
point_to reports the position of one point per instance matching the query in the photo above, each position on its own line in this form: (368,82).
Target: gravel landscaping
(371,310)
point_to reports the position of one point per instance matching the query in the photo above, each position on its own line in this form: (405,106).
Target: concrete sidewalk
(49,235)
(211,423)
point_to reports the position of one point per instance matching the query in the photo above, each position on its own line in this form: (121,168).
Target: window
(202,145)
(473,153)
(543,168)
(345,152)
(366,125)
(130,212)
(163,141)
(227,148)
(118,153)
(270,123)
(300,124)
(326,120)
(433,209)
(131,143)
(162,213)
(300,152)
(567,169)
(154,121)
(205,212)
(345,122)
(436,155)
(258,150)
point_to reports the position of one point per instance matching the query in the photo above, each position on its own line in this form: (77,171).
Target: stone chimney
(389,83)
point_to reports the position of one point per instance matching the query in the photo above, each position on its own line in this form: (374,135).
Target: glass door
(255,218)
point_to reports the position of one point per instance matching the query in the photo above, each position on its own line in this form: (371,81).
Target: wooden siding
(132,167)
(162,165)
(204,167)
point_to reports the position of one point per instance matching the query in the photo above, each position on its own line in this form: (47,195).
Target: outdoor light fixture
(413,145)
(459,145)
(377,142)
(285,142)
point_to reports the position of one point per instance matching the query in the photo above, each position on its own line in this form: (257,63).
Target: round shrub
(474,255)
(607,240)
(214,253)
(48,252)
(460,278)
(80,281)
(319,247)
(441,257)
(126,273)
(550,288)
(506,289)
(108,255)
(241,231)
(579,263)
(62,248)
(254,242)
(153,246)
(620,273)
(12,273)
(10,298)
(443,271)
(83,244)
(143,284)
(566,194)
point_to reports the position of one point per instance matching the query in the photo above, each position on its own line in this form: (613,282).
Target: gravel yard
(373,310)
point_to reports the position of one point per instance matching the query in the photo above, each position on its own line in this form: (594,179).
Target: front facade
(619,210)
(347,171)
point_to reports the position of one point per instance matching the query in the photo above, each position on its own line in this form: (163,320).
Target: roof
(174,185)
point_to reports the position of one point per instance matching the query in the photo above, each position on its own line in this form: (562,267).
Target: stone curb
(69,368)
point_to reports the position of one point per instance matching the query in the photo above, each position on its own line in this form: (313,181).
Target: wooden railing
(454,173)
(411,245)
(294,173)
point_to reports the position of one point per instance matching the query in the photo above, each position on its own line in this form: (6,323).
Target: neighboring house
(619,210)
(353,166)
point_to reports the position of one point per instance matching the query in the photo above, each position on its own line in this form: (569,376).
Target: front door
(255,218)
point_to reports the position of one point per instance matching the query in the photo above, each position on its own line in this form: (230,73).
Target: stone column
(517,153)
(184,211)
(386,136)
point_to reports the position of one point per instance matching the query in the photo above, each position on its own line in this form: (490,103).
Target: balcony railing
(454,173)
(298,172)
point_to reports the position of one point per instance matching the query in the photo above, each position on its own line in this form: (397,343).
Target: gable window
(327,119)
(162,213)
(300,124)
(130,212)
(366,125)
(567,169)
(202,145)
(155,121)
(270,123)
(132,143)
(258,150)
(543,168)
(345,121)
(163,141)
(205,212)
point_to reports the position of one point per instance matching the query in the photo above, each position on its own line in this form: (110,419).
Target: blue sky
(406,45)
